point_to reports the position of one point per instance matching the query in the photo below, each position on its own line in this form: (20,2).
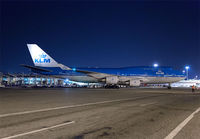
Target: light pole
(187,68)
(155,65)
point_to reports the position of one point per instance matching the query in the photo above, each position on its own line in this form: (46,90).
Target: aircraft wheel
(169,87)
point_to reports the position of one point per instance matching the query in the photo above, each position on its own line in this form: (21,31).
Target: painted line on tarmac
(146,104)
(174,132)
(71,106)
(38,130)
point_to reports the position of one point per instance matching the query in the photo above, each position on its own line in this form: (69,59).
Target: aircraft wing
(97,75)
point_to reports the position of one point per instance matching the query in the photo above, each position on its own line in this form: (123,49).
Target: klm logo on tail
(42,59)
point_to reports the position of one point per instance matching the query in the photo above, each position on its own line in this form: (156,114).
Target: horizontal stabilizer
(35,68)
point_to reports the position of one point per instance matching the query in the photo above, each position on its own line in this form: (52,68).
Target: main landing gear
(111,86)
(169,87)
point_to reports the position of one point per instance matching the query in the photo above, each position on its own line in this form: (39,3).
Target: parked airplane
(132,76)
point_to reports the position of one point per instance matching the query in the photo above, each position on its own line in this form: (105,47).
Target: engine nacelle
(112,80)
(134,83)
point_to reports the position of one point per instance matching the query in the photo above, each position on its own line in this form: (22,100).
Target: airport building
(35,80)
(29,80)
(187,83)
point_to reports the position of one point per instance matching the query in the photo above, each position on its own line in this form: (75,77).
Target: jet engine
(112,80)
(134,83)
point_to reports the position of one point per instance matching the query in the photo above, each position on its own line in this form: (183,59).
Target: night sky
(102,34)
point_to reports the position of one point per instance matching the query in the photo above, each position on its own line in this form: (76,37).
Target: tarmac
(80,113)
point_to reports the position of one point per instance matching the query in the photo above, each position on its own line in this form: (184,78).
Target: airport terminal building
(36,80)
(29,79)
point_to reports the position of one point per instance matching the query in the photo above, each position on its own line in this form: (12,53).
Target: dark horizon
(102,34)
